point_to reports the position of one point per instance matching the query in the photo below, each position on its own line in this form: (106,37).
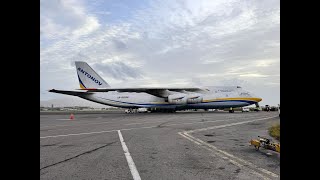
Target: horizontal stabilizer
(72,93)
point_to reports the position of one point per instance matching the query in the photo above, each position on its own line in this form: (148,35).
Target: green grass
(274,131)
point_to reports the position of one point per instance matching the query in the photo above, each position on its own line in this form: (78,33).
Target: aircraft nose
(258,99)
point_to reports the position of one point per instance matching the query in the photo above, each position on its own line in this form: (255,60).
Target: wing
(159,92)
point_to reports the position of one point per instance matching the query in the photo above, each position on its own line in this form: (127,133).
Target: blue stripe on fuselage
(250,102)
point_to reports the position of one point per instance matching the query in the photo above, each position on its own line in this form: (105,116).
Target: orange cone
(71,116)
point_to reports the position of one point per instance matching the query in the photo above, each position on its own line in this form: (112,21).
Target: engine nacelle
(194,98)
(178,98)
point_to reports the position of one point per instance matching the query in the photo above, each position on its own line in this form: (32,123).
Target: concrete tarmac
(182,145)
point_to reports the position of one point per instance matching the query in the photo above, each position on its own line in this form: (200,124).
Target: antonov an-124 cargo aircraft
(165,99)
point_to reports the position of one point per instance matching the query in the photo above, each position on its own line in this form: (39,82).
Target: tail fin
(88,78)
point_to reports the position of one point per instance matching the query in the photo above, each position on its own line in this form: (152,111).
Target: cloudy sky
(162,43)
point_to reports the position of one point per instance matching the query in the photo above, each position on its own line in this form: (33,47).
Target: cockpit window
(238,87)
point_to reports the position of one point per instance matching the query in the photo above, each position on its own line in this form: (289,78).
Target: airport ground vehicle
(139,110)
(267,108)
(142,110)
(129,111)
(245,109)
(265,143)
(272,108)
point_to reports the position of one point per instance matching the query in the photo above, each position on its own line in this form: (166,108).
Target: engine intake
(178,98)
(194,98)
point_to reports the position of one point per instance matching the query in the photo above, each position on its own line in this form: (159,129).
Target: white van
(245,109)
(142,110)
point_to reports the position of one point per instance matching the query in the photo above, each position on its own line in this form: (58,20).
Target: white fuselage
(212,99)
(96,89)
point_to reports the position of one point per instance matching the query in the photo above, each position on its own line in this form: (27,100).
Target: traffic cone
(71,116)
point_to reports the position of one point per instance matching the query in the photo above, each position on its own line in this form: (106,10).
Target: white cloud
(253,75)
(60,19)
(163,42)
(89,26)
(265,63)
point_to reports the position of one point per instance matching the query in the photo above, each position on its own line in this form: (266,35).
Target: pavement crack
(160,125)
(48,145)
(202,170)
(68,159)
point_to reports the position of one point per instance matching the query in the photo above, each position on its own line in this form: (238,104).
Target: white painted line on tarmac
(233,159)
(144,123)
(85,124)
(65,135)
(232,124)
(127,129)
(99,132)
(220,155)
(225,155)
(81,124)
(132,166)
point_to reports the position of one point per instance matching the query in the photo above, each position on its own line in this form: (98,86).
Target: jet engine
(194,98)
(178,98)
